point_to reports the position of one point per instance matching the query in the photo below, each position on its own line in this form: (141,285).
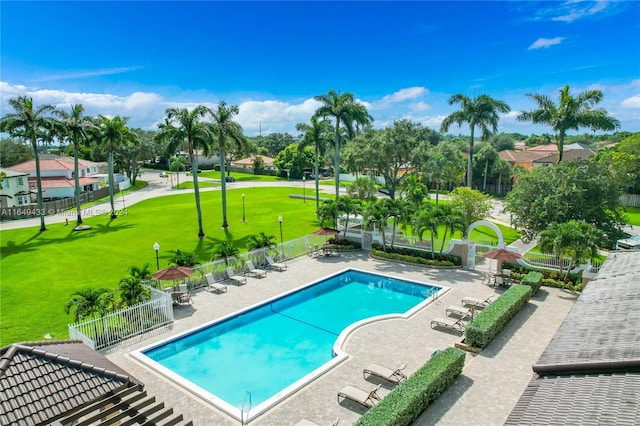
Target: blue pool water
(268,348)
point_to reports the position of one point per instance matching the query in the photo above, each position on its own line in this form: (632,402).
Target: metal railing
(126,324)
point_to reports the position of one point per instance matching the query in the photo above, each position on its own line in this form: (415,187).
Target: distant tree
(275,142)
(33,124)
(502,168)
(415,192)
(350,206)
(623,162)
(178,163)
(87,303)
(481,112)
(452,220)
(567,191)
(363,188)
(502,141)
(186,259)
(328,211)
(445,166)
(376,214)
(487,155)
(12,152)
(473,204)
(570,113)
(132,153)
(345,111)
(294,160)
(258,164)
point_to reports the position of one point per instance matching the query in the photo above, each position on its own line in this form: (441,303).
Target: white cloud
(84,74)
(420,106)
(274,116)
(632,102)
(400,96)
(573,10)
(545,43)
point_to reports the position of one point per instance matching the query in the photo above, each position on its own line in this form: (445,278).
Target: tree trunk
(223,180)
(317,178)
(196,190)
(77,182)
(337,159)
(486,171)
(113,208)
(36,157)
(470,162)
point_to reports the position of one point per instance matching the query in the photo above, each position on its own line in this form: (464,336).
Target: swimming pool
(272,349)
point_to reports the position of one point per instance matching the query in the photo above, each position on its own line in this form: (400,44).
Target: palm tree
(570,113)
(345,111)
(575,238)
(113,132)
(328,211)
(224,250)
(184,126)
(86,303)
(143,272)
(229,133)
(452,221)
(487,154)
(30,123)
(502,168)
(132,291)
(350,206)
(75,128)
(481,112)
(178,163)
(315,134)
(376,214)
(260,240)
(445,165)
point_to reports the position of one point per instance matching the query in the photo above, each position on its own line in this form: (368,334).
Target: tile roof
(12,173)
(62,182)
(590,371)
(45,382)
(62,163)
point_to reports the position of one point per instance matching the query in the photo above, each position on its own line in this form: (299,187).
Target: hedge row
(497,315)
(409,399)
(412,259)
(533,280)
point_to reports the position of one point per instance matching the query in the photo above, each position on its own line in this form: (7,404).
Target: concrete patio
(485,393)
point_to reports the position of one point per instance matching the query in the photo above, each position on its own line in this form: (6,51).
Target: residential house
(66,383)
(247,163)
(567,155)
(14,191)
(58,176)
(521,158)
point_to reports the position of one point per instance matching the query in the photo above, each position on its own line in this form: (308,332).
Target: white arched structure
(488,224)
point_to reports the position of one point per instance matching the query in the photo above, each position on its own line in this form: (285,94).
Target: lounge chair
(456,325)
(357,395)
(236,279)
(458,311)
(256,272)
(275,265)
(213,286)
(478,303)
(394,376)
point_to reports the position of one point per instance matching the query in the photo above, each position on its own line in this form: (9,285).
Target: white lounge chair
(256,272)
(478,303)
(213,286)
(357,395)
(458,311)
(237,279)
(456,325)
(276,266)
(394,376)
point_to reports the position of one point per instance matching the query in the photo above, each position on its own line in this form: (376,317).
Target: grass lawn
(40,271)
(632,215)
(245,177)
(201,184)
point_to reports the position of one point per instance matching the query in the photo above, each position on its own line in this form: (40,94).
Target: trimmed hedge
(409,399)
(484,327)
(534,280)
(444,259)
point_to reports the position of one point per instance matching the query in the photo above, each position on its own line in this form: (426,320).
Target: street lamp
(243,218)
(156,247)
(281,240)
(304,189)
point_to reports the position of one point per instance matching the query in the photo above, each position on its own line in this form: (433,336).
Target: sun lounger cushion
(256,272)
(235,278)
(478,303)
(458,311)
(364,398)
(277,266)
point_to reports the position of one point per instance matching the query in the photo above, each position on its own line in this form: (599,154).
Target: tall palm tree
(30,123)
(184,126)
(570,113)
(75,128)
(346,112)
(376,214)
(488,154)
(229,133)
(575,238)
(481,112)
(444,166)
(224,250)
(350,206)
(132,291)
(315,134)
(178,163)
(113,132)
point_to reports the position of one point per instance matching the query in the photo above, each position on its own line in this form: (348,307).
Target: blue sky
(401,59)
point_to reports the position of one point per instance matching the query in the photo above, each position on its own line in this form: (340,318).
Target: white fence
(127,324)
(632,200)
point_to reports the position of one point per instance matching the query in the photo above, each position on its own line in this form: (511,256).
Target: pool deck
(485,393)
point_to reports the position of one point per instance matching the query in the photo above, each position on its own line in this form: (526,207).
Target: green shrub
(410,398)
(534,280)
(496,316)
(549,278)
(416,256)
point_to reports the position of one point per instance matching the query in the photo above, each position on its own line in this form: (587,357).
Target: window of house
(20,181)
(5,183)
(20,200)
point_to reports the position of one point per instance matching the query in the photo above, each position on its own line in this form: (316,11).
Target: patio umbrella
(326,232)
(173,273)
(502,255)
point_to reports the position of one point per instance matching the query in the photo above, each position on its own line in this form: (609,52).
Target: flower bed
(419,257)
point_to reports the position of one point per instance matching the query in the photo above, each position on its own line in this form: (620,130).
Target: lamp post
(281,240)
(156,247)
(243,218)
(304,189)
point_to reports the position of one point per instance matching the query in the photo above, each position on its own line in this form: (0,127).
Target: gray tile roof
(42,382)
(590,372)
